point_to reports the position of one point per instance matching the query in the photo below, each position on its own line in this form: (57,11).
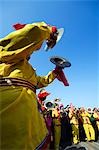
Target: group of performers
(68,125)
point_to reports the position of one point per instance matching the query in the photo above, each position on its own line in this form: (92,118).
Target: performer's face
(52,41)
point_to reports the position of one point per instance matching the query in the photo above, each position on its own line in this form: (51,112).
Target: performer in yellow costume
(21,124)
(75,125)
(56,125)
(89,130)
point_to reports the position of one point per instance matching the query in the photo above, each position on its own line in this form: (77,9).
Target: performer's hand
(60,75)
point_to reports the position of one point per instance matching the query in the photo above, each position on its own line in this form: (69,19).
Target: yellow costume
(57,127)
(22,126)
(89,130)
(75,127)
(57,133)
(21,43)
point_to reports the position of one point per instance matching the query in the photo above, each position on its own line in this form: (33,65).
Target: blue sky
(79,44)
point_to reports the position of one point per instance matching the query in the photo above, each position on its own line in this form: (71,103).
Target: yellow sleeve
(21,43)
(88,115)
(43,81)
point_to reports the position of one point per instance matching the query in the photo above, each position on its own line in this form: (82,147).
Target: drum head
(60,62)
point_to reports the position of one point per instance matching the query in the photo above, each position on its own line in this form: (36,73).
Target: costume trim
(44,143)
(17,82)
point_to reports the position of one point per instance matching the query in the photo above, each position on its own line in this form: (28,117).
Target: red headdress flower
(19,26)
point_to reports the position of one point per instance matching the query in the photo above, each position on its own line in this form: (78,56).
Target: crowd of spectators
(68,125)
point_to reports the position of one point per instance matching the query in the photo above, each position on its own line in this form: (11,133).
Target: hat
(59,33)
(49,104)
(43,94)
(89,110)
(60,62)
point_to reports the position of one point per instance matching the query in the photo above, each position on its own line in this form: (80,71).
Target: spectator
(66,131)
(75,125)
(89,130)
(42,95)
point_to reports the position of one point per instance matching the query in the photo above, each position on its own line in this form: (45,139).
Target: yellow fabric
(75,132)
(22,126)
(73,118)
(54,112)
(85,117)
(89,131)
(75,127)
(21,43)
(57,133)
(21,122)
(25,71)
